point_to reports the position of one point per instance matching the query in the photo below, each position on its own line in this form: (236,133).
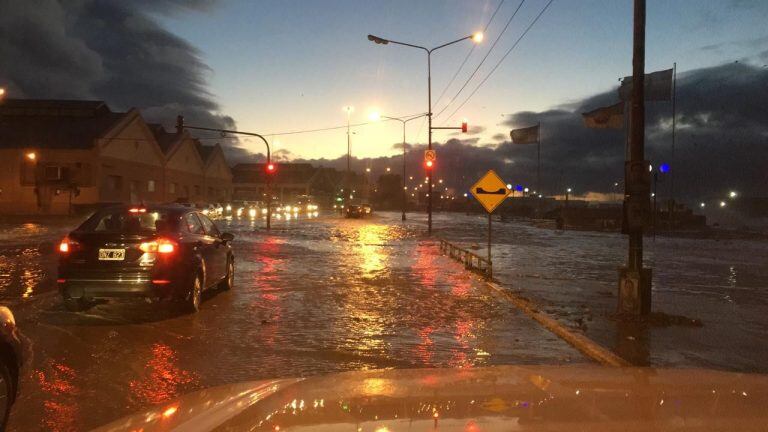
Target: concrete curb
(582,343)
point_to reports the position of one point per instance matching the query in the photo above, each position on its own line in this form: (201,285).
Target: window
(209,226)
(53,173)
(172,188)
(123,221)
(114,183)
(193,224)
(150,185)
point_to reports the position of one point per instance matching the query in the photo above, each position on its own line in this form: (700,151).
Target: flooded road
(572,275)
(310,297)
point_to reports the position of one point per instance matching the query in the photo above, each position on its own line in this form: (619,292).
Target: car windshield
(203,193)
(129,221)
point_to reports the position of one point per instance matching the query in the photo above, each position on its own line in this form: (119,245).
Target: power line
(500,60)
(506,26)
(295,132)
(485,29)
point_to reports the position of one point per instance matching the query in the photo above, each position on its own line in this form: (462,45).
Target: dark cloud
(499,137)
(109,50)
(722,137)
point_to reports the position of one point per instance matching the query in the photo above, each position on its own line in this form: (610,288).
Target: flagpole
(672,171)
(538,157)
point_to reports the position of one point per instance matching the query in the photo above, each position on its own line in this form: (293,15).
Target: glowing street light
(722,203)
(2,92)
(732,194)
(476,38)
(702,205)
(31,156)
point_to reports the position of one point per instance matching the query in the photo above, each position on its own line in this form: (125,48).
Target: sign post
(490,191)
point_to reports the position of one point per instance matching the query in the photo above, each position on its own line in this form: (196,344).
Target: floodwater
(573,276)
(331,294)
(311,297)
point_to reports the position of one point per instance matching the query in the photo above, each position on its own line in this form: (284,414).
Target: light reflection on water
(162,378)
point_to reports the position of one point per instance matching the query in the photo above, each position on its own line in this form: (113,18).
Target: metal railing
(471,260)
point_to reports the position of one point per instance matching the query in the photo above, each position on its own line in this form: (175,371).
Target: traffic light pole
(180,126)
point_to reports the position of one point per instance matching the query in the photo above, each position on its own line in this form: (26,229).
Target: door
(204,244)
(219,248)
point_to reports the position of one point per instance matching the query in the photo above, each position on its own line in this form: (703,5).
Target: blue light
(664,168)
(519,188)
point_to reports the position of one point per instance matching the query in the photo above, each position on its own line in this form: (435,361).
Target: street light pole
(477,37)
(403,122)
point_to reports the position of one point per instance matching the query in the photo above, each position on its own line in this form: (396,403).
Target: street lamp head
(569,190)
(374,116)
(31,156)
(733,194)
(377,40)
(348,109)
(2,92)
(477,37)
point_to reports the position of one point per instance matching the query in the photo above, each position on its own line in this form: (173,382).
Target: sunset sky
(280,66)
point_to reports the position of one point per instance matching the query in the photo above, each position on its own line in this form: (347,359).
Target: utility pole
(634,281)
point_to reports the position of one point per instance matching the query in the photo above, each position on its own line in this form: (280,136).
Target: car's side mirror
(227,237)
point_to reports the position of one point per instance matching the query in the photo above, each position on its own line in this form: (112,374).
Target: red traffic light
(429,164)
(464,126)
(271,168)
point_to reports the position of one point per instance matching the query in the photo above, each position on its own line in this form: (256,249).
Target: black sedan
(168,251)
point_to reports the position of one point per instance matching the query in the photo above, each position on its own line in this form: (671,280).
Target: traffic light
(429,164)
(271,168)
(464,125)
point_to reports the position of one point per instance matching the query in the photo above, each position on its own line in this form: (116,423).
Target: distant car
(354,211)
(10,363)
(166,251)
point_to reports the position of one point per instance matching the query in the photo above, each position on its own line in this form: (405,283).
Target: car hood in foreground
(500,398)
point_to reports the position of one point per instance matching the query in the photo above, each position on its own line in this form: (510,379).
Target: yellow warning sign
(490,191)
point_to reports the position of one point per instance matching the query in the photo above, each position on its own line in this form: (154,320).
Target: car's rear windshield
(130,221)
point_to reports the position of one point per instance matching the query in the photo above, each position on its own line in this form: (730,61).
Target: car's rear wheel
(229,281)
(6,393)
(76,304)
(192,302)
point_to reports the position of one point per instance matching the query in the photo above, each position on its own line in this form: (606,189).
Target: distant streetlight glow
(31,156)
(509,186)
(367,170)
(388,169)
(2,92)
(569,190)
(722,203)
(478,37)
(733,194)
(374,116)
(526,190)
(702,205)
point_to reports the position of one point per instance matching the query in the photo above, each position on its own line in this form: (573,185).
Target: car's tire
(7,393)
(195,294)
(229,279)
(76,304)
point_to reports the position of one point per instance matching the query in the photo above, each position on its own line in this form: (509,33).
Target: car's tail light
(161,246)
(67,245)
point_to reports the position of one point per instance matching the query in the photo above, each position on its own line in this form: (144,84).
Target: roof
(204,150)
(58,124)
(165,139)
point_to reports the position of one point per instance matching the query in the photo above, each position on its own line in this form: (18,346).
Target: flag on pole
(658,86)
(610,117)
(529,135)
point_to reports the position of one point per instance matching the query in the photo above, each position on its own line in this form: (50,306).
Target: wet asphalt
(311,297)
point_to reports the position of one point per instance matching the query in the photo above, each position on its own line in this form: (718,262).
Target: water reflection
(60,406)
(163,378)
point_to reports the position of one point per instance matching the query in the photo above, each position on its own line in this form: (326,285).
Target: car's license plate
(111,254)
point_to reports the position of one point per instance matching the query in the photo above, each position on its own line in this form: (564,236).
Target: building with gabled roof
(56,155)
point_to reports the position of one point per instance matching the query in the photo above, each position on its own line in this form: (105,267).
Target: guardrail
(471,260)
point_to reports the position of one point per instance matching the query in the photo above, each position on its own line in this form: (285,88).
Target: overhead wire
(517,42)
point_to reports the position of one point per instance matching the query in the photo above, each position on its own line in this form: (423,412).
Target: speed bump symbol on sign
(490,191)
